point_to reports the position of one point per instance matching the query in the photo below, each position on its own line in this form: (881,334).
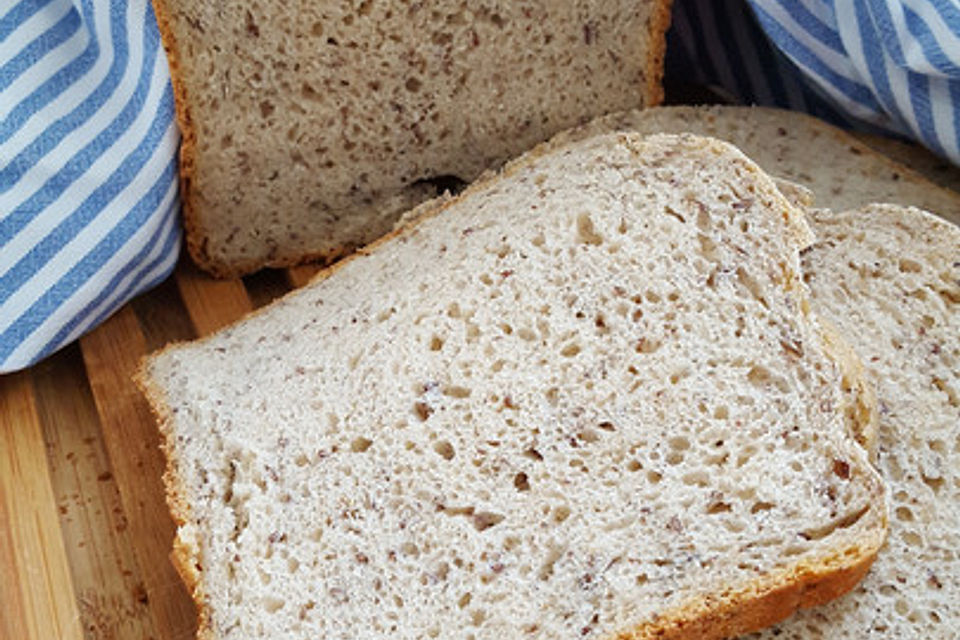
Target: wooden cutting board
(85,534)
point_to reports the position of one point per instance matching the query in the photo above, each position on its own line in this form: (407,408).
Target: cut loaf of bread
(889,279)
(585,398)
(842,172)
(309,127)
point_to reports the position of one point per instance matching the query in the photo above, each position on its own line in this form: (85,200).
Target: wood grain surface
(85,534)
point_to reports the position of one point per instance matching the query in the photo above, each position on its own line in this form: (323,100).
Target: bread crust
(659,24)
(737,611)
(761,606)
(184,556)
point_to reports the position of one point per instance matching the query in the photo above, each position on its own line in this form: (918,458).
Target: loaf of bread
(585,398)
(842,172)
(889,279)
(308,128)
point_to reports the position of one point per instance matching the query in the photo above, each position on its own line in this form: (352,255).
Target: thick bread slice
(842,172)
(583,399)
(889,278)
(307,126)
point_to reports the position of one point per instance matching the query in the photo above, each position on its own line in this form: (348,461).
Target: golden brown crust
(188,139)
(762,605)
(184,556)
(659,24)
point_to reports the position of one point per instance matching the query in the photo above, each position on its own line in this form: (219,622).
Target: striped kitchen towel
(894,63)
(885,66)
(88,170)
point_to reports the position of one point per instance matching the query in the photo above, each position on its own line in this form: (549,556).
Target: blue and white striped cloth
(877,65)
(893,63)
(88,171)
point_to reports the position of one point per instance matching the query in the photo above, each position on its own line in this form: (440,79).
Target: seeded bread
(842,172)
(604,410)
(921,160)
(308,128)
(889,278)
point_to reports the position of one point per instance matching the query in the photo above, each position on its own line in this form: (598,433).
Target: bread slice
(889,278)
(585,398)
(309,127)
(919,159)
(841,172)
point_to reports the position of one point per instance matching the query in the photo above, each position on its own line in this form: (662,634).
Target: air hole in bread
(718,507)
(761,506)
(904,514)
(760,376)
(934,483)
(647,345)
(483,520)
(526,334)
(546,569)
(570,350)
(586,233)
(361,444)
(445,449)
(521,482)
(905,265)
(533,454)
(272,605)
(670,211)
(561,513)
(751,285)
(843,522)
(455,391)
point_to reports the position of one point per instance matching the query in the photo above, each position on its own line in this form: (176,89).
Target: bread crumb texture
(840,172)
(584,399)
(312,126)
(889,278)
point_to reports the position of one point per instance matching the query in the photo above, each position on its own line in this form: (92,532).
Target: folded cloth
(894,63)
(88,169)
(884,66)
